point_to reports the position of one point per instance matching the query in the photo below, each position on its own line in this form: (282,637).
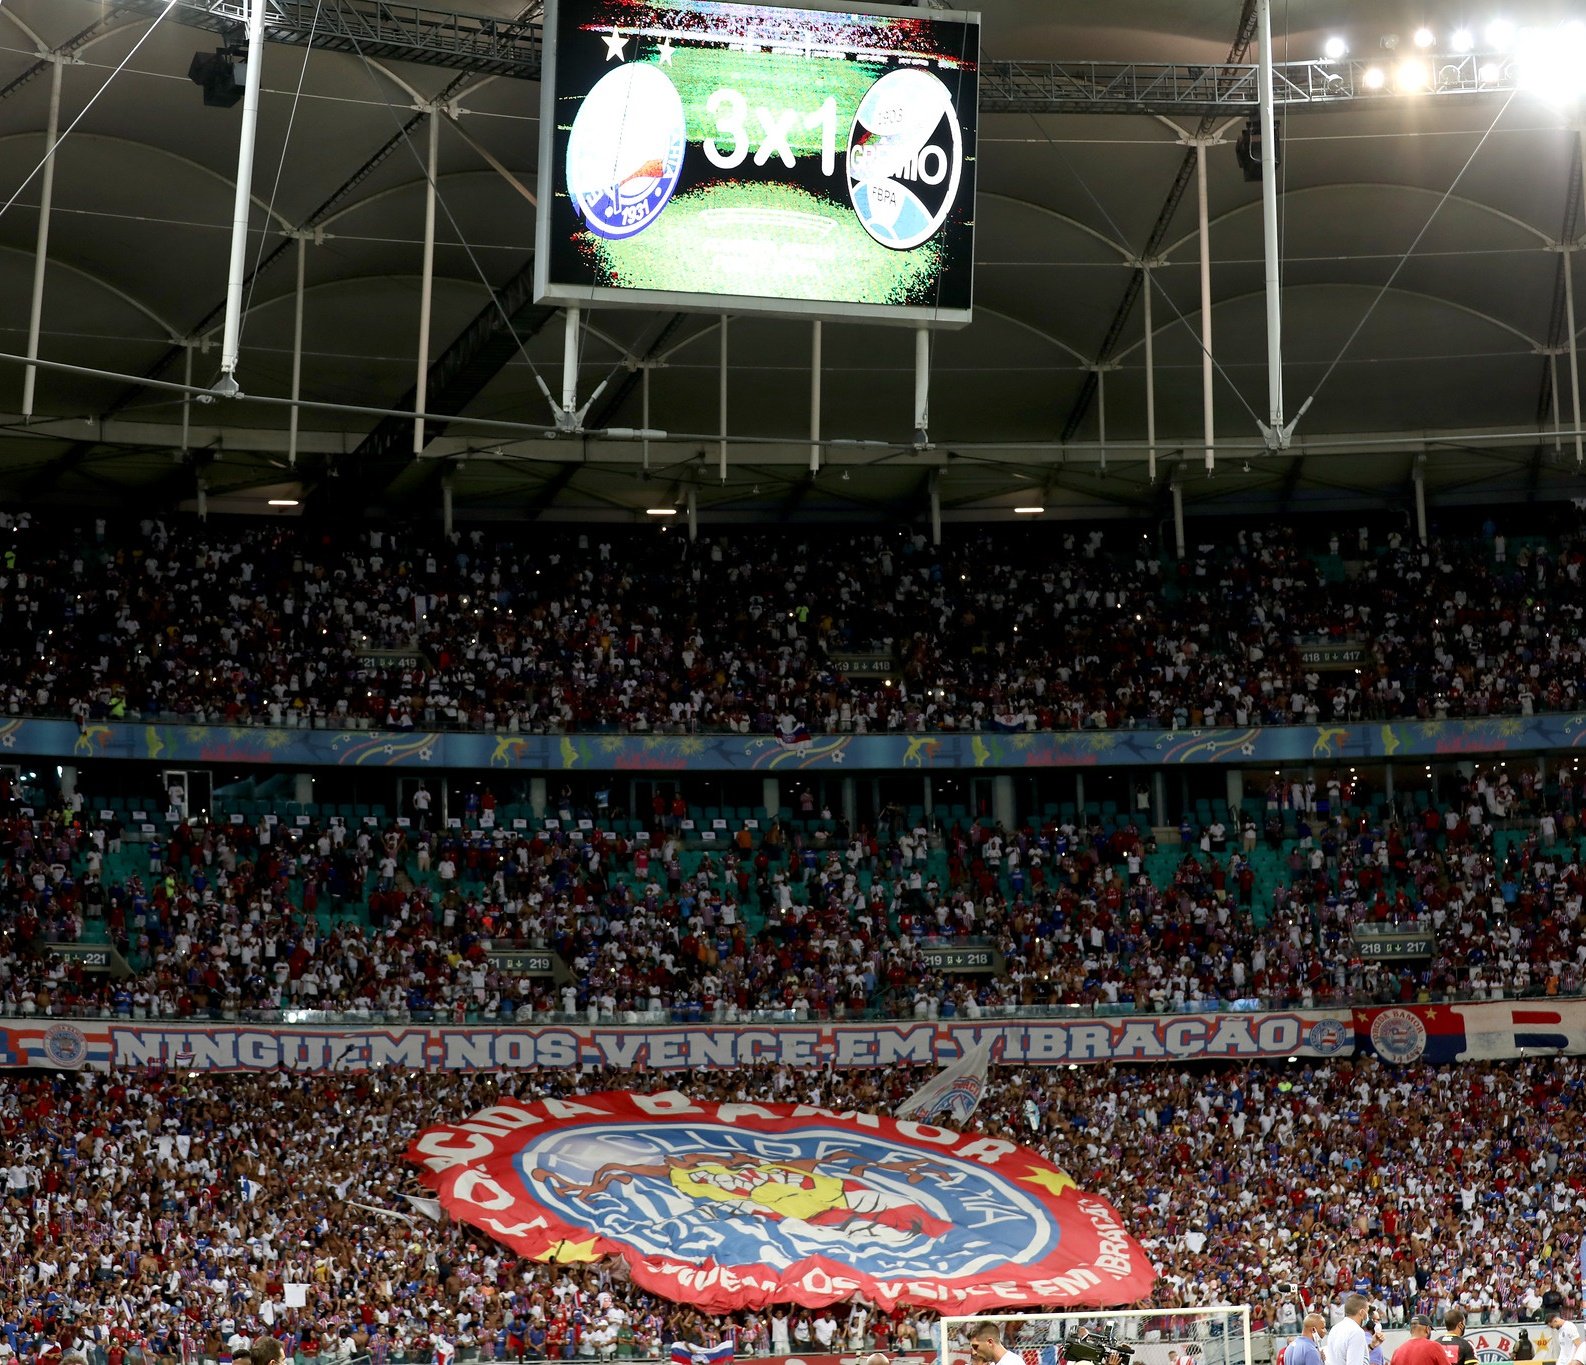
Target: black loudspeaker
(1247,148)
(220,74)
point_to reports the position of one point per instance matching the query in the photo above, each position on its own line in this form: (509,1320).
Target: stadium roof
(1422,280)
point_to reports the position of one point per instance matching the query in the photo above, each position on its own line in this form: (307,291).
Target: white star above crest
(666,52)
(614,42)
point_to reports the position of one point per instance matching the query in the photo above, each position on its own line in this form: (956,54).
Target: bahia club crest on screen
(699,154)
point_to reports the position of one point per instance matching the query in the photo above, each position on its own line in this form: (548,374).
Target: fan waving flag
(954,1091)
(729,1206)
(684,1354)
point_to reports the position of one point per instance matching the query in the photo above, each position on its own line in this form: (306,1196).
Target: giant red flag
(740,1205)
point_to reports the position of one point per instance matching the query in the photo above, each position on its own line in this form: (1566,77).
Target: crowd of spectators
(752,632)
(220,918)
(159,1215)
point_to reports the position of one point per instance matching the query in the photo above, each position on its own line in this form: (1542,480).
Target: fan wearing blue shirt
(1303,1349)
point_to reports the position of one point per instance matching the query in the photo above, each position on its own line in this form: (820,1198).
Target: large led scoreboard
(696,154)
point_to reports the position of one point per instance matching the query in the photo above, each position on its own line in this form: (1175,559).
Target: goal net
(1218,1335)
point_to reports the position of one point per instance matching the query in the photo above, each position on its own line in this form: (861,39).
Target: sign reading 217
(731,1206)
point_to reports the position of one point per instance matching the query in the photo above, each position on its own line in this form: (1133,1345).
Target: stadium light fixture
(1375,78)
(1334,48)
(660,511)
(1424,37)
(1551,63)
(1411,76)
(283,502)
(1488,73)
(1028,511)
(1463,40)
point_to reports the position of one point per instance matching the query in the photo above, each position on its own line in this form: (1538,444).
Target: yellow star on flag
(1053,1180)
(564,1253)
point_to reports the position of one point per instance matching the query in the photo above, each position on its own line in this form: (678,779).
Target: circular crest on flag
(65,1045)
(1398,1035)
(740,1205)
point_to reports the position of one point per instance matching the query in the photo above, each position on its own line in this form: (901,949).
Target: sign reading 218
(625,153)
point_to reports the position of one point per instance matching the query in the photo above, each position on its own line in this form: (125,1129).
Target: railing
(442,724)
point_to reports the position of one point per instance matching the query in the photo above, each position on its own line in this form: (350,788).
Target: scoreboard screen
(697,154)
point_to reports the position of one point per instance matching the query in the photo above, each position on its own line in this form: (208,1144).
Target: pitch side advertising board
(720,157)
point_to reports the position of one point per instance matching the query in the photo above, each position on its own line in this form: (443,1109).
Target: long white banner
(1397,1034)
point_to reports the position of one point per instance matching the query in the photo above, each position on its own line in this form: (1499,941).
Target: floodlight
(1463,40)
(1335,47)
(1424,37)
(1411,75)
(1375,78)
(1500,34)
(1551,63)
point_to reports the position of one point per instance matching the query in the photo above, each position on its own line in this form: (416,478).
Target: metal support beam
(1208,418)
(1552,387)
(1574,349)
(722,414)
(1418,477)
(236,275)
(640,374)
(434,36)
(1269,230)
(569,363)
(1150,378)
(1101,414)
(644,414)
(187,399)
(41,245)
(79,40)
(1165,219)
(427,279)
(458,375)
(447,480)
(1178,512)
(922,386)
(693,513)
(80,451)
(935,493)
(297,351)
(815,397)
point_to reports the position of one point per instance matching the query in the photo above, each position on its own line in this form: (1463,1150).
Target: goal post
(1218,1334)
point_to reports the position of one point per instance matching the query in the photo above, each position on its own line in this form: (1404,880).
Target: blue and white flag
(685,1354)
(249,1189)
(954,1091)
